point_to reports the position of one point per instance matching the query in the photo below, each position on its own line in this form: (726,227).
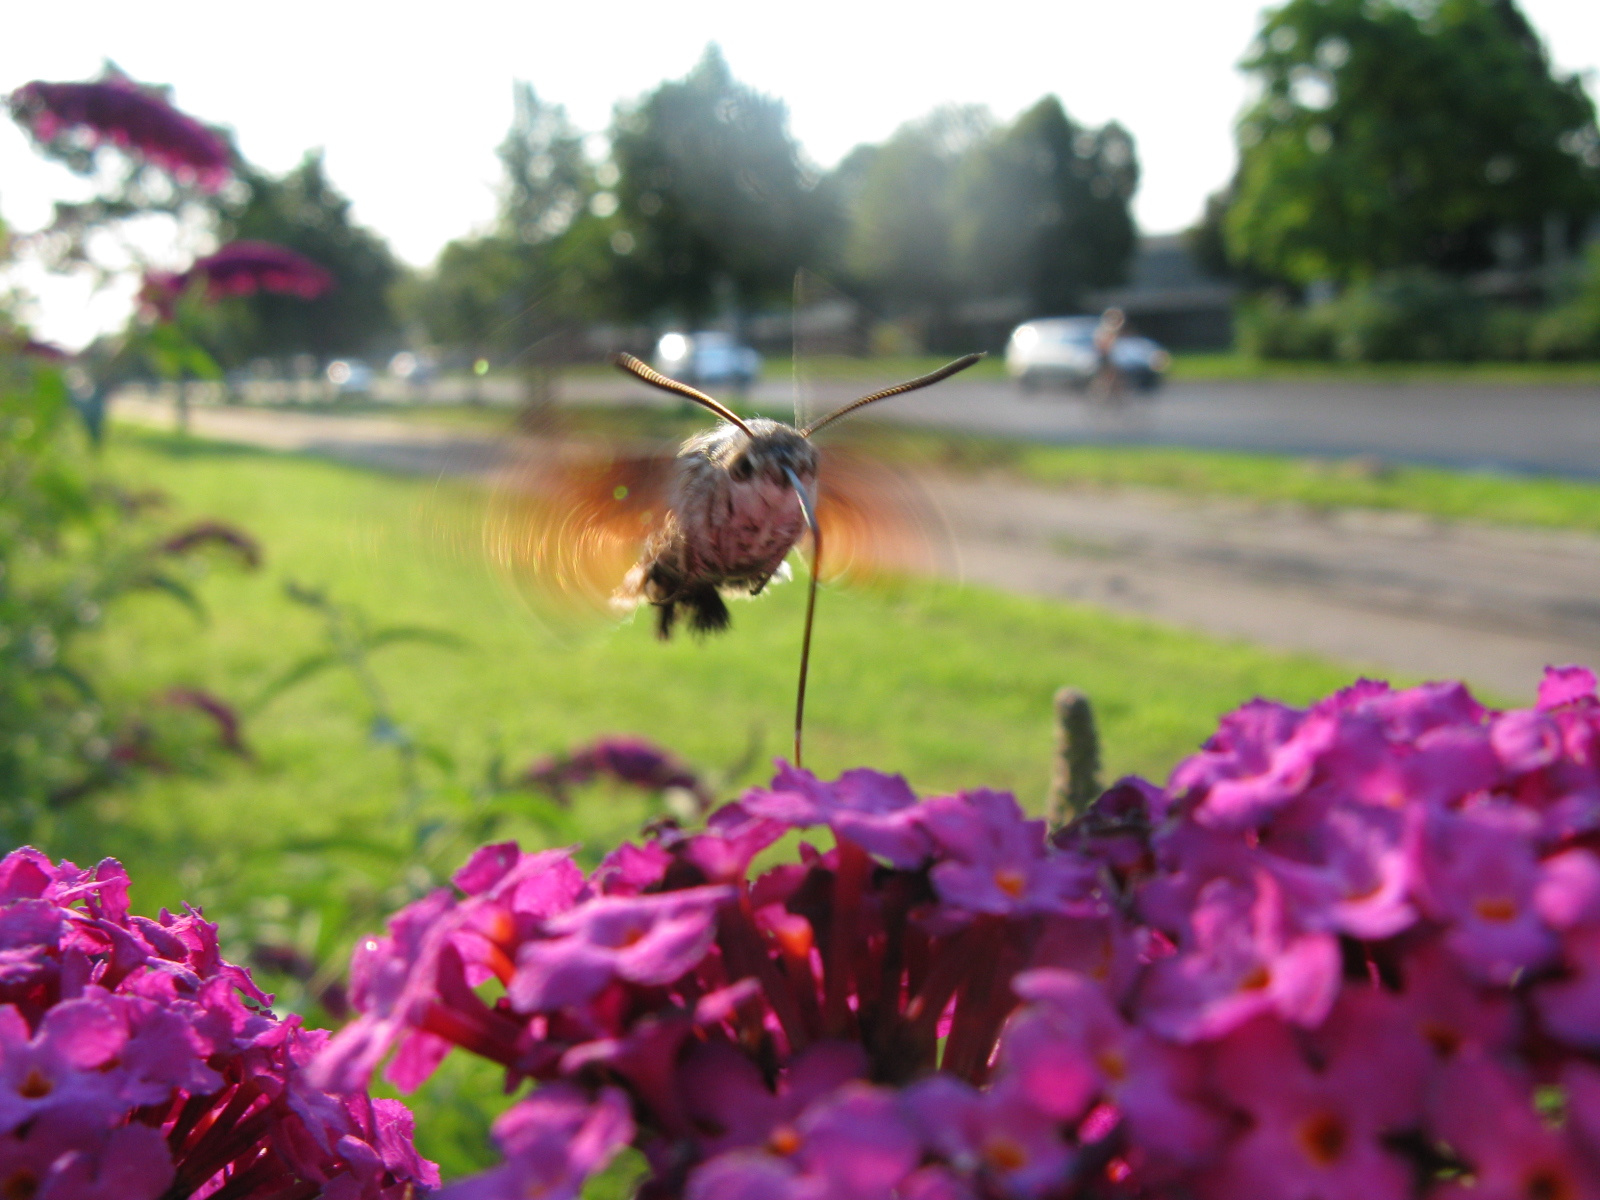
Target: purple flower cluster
(136,1063)
(240,268)
(1351,951)
(125,115)
(628,760)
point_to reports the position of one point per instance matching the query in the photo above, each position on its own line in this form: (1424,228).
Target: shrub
(137,1063)
(1572,330)
(1408,316)
(1272,327)
(1352,950)
(71,544)
(1421,316)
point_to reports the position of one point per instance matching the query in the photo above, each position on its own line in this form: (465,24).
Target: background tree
(718,209)
(1393,134)
(954,208)
(901,199)
(520,293)
(303,211)
(1045,213)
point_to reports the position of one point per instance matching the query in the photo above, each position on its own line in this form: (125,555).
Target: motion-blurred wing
(566,524)
(874,520)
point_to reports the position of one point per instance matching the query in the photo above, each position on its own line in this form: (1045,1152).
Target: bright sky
(410,106)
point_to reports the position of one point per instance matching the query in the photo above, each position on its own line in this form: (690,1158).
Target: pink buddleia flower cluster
(136,1063)
(1351,951)
(240,268)
(119,112)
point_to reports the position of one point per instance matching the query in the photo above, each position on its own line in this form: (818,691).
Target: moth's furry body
(733,518)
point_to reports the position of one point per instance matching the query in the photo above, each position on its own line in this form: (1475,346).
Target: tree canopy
(956,207)
(305,212)
(1390,134)
(1046,210)
(705,207)
(513,291)
(718,207)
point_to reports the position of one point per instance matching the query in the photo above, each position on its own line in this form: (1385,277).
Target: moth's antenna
(911,385)
(654,378)
(810,514)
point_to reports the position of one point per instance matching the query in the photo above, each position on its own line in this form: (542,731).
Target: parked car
(350,376)
(413,367)
(1059,351)
(707,359)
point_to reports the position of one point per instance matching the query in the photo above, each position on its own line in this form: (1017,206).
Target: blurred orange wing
(874,520)
(566,522)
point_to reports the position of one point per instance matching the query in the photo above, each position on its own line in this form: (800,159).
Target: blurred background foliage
(74,546)
(303,211)
(1414,181)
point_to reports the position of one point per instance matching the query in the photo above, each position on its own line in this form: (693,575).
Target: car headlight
(673,347)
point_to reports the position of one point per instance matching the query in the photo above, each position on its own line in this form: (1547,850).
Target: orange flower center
(1498,909)
(1256,978)
(1549,1183)
(1323,1138)
(22,1185)
(1010,881)
(794,937)
(1444,1040)
(35,1086)
(1004,1155)
(1112,1065)
(785,1140)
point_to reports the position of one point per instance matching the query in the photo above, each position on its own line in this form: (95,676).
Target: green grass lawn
(1236,367)
(950,685)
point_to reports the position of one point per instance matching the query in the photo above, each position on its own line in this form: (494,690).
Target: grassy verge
(1240,367)
(315,839)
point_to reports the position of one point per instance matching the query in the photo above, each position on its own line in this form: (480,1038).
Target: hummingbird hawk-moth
(718,518)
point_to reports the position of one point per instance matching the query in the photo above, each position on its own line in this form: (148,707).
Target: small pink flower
(1486,1114)
(1315,1132)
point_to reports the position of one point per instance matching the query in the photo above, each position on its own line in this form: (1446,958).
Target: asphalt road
(1538,429)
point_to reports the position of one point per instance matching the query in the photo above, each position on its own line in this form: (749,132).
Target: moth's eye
(740,468)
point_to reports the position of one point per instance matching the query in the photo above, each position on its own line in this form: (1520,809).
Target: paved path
(1552,429)
(1386,592)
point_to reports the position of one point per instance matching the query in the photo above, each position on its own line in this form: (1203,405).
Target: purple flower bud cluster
(628,760)
(240,268)
(1350,952)
(136,1063)
(125,115)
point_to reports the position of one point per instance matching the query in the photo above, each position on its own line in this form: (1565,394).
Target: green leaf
(297,674)
(414,633)
(79,682)
(437,755)
(178,590)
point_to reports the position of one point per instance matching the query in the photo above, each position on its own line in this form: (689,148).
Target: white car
(1060,351)
(707,359)
(350,376)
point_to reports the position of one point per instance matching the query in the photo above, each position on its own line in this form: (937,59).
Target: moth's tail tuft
(707,612)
